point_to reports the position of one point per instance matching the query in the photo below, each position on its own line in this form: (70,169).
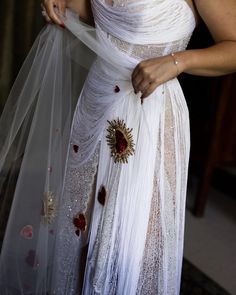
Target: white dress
(124,200)
(113,223)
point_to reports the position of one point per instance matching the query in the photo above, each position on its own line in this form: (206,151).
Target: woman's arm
(220,59)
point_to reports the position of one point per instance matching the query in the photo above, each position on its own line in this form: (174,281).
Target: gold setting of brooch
(49,207)
(120,140)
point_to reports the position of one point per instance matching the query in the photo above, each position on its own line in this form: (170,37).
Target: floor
(210,241)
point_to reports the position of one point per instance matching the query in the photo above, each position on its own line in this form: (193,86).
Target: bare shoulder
(220,18)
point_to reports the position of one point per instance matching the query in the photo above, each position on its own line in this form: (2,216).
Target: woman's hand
(151,73)
(50,7)
(82,7)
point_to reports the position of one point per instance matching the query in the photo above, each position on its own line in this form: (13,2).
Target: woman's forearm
(217,60)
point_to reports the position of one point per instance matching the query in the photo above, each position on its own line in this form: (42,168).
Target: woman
(100,210)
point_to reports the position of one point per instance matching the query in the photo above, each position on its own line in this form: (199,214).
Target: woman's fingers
(138,71)
(62,7)
(52,14)
(136,82)
(143,85)
(45,15)
(141,79)
(149,90)
(50,7)
(149,74)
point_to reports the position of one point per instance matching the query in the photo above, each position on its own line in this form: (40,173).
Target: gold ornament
(49,207)
(120,140)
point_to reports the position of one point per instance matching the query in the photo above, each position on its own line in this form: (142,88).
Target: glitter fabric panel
(79,197)
(151,275)
(142,52)
(103,239)
(160,265)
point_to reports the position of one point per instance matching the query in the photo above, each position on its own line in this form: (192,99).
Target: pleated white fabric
(119,227)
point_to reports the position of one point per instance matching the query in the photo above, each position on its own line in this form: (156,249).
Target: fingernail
(62,26)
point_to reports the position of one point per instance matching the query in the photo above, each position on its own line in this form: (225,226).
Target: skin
(82,7)
(217,60)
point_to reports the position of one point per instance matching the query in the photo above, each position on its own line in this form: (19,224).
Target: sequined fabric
(142,52)
(78,197)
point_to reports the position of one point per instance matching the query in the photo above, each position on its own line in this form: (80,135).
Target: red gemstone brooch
(120,140)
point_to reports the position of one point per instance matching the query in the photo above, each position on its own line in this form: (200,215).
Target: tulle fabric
(35,131)
(44,121)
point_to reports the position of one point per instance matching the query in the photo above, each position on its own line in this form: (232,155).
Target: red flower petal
(76,222)
(27,232)
(75,148)
(117,89)
(102,195)
(80,222)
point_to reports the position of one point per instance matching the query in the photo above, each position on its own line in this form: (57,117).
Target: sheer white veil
(34,137)
(35,129)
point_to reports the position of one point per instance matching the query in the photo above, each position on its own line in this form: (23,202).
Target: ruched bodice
(145,22)
(145,29)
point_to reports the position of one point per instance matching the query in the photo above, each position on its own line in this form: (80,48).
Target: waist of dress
(140,52)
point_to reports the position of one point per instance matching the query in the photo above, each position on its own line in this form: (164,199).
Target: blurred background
(210,231)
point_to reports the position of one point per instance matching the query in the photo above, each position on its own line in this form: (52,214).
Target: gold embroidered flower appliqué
(49,207)
(120,140)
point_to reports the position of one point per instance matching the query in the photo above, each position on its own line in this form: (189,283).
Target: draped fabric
(100,199)
(20,21)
